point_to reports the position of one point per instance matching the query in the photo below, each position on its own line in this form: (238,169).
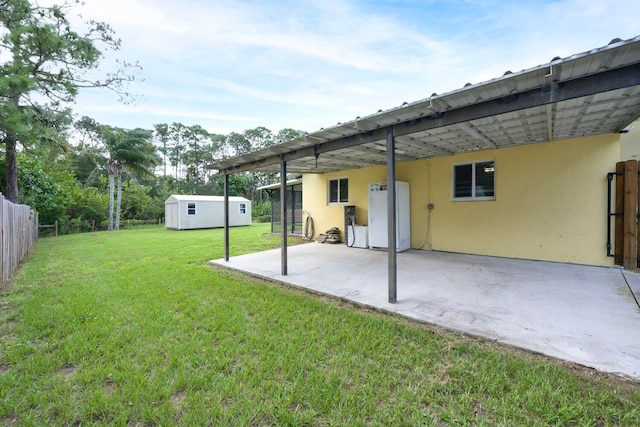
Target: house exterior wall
(550,201)
(630,143)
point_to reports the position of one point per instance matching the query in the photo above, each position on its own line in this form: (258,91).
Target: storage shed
(188,212)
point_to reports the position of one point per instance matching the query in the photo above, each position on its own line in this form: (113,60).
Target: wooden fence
(627,234)
(18,234)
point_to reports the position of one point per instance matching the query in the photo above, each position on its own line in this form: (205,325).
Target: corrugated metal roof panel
(602,111)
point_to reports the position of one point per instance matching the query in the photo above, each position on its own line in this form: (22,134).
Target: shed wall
(171,218)
(208,214)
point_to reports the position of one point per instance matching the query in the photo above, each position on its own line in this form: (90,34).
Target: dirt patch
(226,403)
(5,287)
(178,398)
(136,423)
(66,370)
(109,386)
(10,420)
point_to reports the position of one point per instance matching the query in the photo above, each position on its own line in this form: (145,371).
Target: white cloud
(164,111)
(294,64)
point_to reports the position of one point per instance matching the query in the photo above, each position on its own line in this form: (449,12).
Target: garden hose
(309,227)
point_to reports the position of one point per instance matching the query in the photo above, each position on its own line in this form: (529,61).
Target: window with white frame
(191,208)
(474,181)
(243,208)
(339,190)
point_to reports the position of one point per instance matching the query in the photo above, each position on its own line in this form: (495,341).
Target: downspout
(610,214)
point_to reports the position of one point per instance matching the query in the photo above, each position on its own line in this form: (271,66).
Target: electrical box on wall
(350,215)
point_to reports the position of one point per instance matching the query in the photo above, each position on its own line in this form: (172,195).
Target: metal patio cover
(591,93)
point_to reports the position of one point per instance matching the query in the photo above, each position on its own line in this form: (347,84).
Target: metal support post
(391,216)
(283,215)
(226,217)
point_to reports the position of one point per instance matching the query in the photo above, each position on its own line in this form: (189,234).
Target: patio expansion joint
(635,290)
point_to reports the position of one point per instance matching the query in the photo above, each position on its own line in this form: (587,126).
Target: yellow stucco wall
(630,143)
(550,201)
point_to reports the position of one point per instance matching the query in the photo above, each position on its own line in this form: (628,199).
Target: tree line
(189,152)
(110,175)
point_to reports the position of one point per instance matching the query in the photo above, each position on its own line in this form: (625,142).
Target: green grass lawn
(134,328)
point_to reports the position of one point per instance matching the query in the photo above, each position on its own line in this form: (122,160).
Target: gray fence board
(18,234)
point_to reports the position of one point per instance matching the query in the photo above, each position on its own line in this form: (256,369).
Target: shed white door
(171,220)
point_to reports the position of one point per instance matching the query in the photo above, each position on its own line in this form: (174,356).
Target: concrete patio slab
(587,315)
(633,280)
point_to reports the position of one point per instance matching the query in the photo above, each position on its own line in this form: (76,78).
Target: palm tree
(129,152)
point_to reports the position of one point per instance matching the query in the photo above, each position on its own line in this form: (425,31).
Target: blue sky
(233,65)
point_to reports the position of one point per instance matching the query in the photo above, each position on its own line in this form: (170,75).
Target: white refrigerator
(378,236)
